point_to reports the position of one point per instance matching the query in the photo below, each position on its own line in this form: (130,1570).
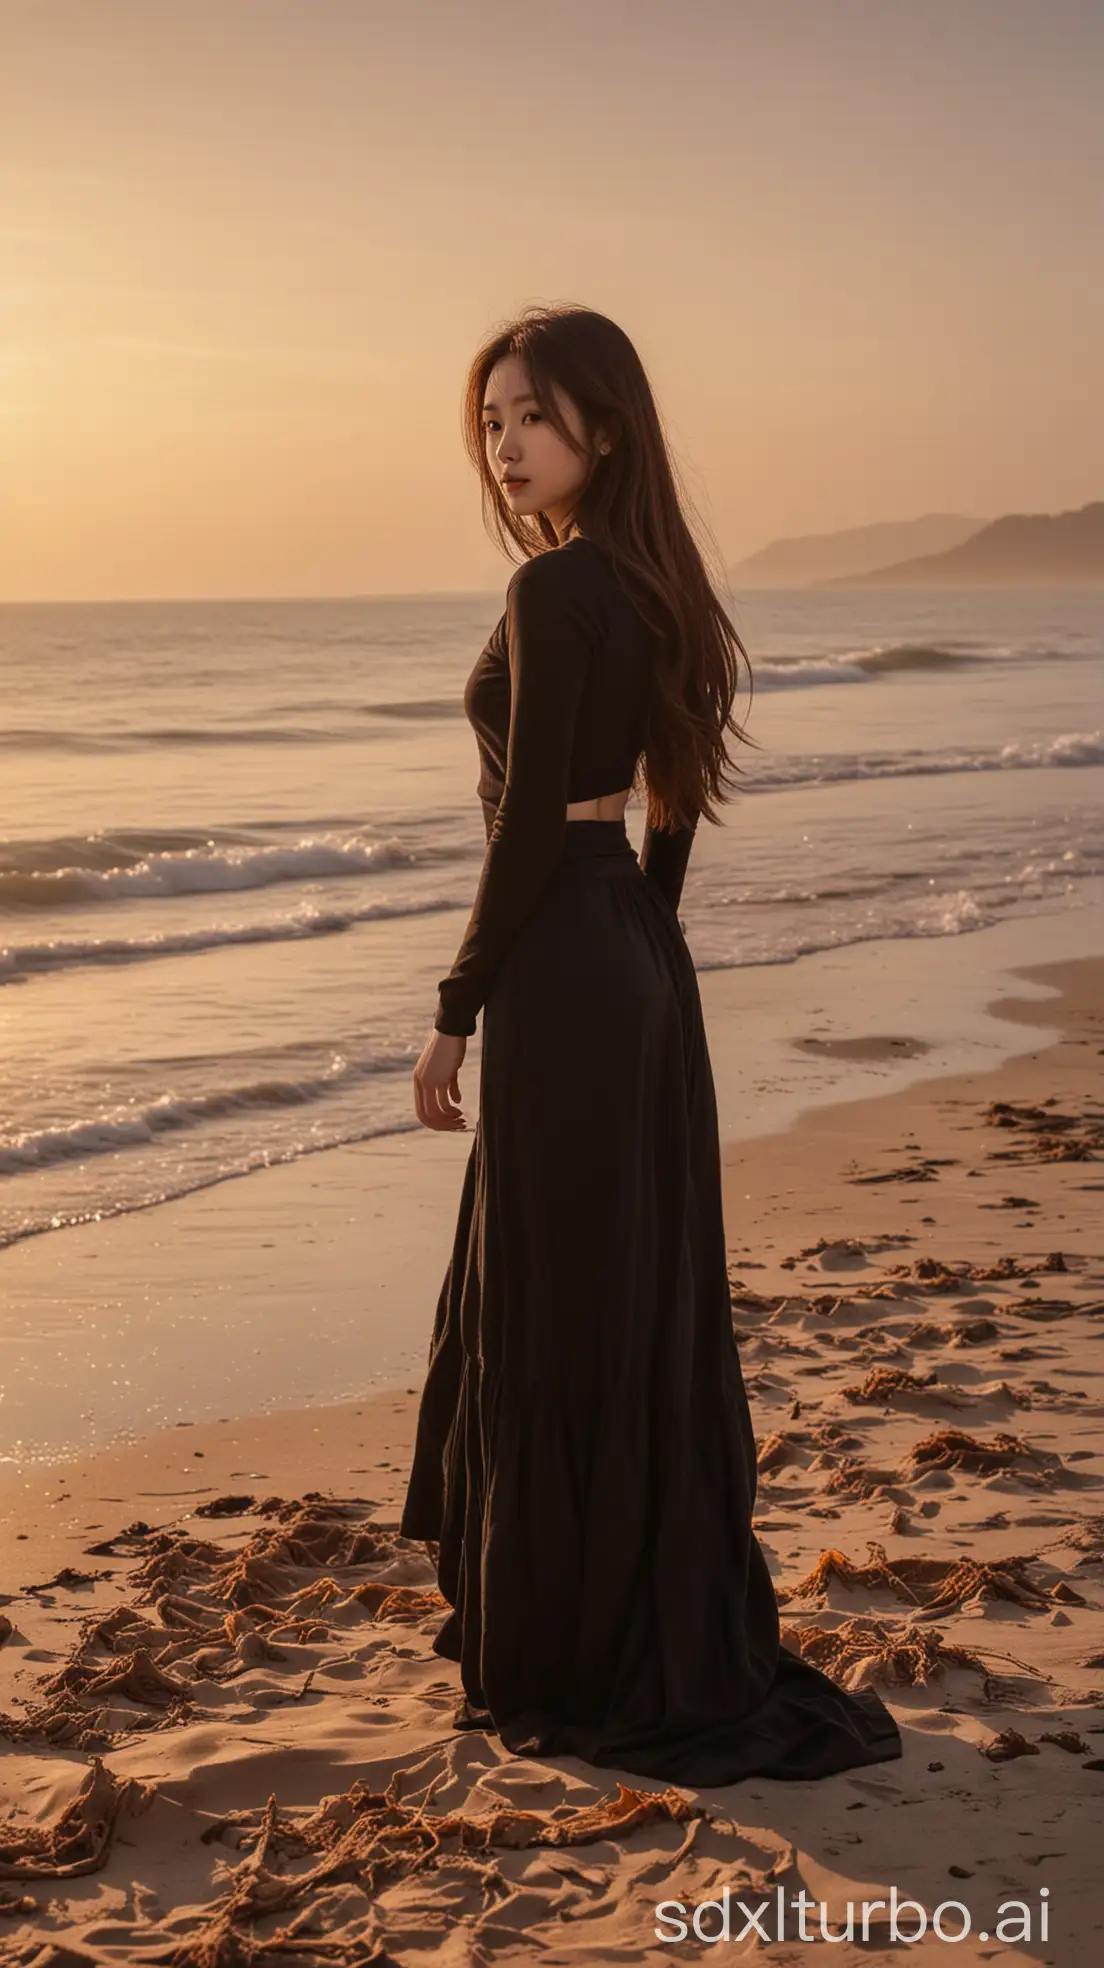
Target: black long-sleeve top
(558,701)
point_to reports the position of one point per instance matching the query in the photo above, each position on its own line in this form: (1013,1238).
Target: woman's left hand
(436,1081)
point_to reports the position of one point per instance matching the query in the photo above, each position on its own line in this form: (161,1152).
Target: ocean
(240,841)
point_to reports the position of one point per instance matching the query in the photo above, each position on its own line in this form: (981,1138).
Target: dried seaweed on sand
(965,1332)
(930,1585)
(791,1445)
(875,1653)
(855,1478)
(217,1615)
(882,1384)
(952,1448)
(371,1839)
(79,1838)
(1049,1135)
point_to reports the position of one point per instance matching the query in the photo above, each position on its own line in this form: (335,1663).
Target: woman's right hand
(436,1082)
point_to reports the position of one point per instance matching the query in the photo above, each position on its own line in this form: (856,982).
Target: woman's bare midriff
(608,806)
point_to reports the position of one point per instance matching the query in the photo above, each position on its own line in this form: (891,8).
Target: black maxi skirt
(584,1451)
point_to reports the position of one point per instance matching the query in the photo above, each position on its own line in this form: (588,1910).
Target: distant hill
(816,557)
(1020,550)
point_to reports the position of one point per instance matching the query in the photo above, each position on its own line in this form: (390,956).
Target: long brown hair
(634,506)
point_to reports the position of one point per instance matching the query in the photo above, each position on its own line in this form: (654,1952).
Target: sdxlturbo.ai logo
(1016,1920)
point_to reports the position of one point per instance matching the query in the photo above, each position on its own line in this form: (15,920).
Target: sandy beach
(226,1737)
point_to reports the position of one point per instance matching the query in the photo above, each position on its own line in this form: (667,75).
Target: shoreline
(169,1312)
(899,978)
(372,1433)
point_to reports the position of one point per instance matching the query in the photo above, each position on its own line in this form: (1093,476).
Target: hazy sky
(249,246)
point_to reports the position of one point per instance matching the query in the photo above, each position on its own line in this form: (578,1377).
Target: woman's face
(536,471)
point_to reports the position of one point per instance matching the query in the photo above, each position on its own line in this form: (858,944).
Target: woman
(584,1459)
